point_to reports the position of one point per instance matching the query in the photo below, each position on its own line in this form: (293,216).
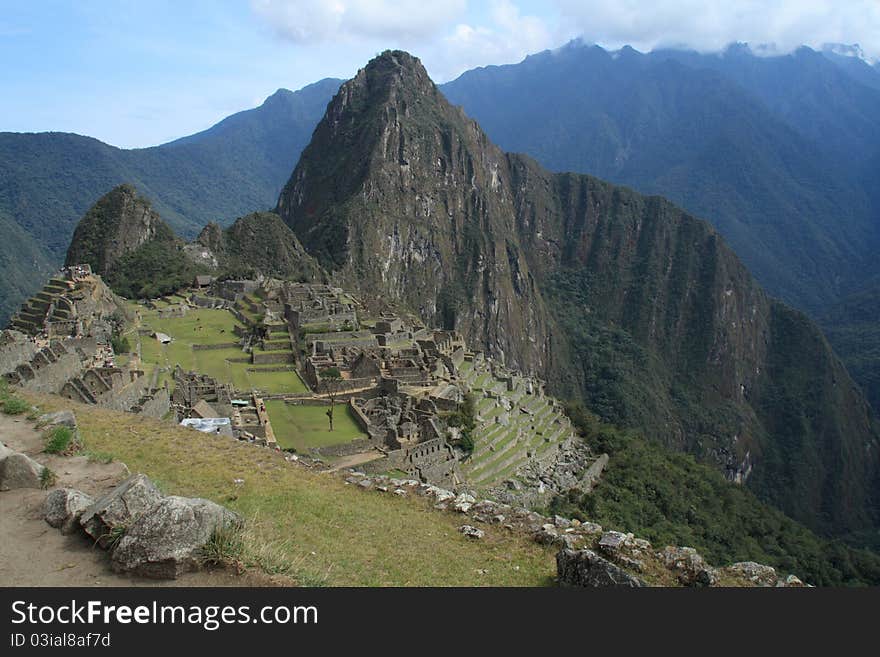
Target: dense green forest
(671,499)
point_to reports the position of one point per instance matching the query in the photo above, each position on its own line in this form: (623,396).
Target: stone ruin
(309,305)
(73,303)
(119,389)
(192,387)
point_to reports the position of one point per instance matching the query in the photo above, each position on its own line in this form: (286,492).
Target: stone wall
(51,367)
(15,349)
(272,357)
(156,404)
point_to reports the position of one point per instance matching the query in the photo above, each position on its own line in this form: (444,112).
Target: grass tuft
(47,478)
(15,406)
(59,440)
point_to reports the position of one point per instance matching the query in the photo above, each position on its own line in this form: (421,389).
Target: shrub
(120,344)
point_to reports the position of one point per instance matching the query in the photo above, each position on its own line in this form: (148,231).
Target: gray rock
(689,566)
(4,453)
(19,471)
(167,539)
(791,581)
(119,508)
(561,522)
(60,418)
(586,568)
(612,541)
(64,507)
(471,531)
(755,572)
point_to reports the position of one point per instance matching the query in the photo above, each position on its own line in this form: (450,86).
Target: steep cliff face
(624,300)
(116,225)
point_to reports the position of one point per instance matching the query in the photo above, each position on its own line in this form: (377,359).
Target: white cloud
(507,37)
(316,21)
(709,25)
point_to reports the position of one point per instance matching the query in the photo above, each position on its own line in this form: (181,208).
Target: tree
(331,382)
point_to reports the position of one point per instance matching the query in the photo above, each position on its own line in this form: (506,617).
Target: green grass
(14,406)
(334,534)
(58,440)
(209,326)
(303,426)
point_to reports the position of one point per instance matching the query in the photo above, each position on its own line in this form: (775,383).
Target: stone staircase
(33,314)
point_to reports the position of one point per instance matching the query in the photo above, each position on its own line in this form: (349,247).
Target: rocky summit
(625,301)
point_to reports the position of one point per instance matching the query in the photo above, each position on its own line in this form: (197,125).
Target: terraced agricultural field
(303,426)
(210,327)
(533,426)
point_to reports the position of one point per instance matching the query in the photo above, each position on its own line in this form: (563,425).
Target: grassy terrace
(325,531)
(212,327)
(304,426)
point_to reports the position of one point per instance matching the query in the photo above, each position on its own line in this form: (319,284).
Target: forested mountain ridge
(49,180)
(625,300)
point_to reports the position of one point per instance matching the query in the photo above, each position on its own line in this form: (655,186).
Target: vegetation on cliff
(626,301)
(260,243)
(671,499)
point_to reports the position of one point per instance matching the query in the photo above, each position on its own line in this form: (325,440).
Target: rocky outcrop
(113,513)
(758,574)
(589,555)
(689,566)
(586,568)
(64,507)
(49,421)
(166,540)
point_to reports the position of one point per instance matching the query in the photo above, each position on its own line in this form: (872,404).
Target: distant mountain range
(49,180)
(779,153)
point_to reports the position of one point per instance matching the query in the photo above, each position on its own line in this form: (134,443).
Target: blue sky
(136,74)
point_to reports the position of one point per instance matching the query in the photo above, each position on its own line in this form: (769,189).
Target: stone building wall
(15,349)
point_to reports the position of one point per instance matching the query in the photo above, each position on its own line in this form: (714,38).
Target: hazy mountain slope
(592,286)
(21,260)
(49,180)
(669,123)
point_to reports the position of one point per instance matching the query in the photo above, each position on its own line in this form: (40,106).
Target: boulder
(689,566)
(119,508)
(586,568)
(64,507)
(60,418)
(167,539)
(20,471)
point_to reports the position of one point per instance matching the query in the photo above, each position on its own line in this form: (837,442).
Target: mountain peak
(117,224)
(394,69)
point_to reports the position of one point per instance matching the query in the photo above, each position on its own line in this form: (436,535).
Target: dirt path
(34,554)
(355,459)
